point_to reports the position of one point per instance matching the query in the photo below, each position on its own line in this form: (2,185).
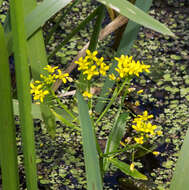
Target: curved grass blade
(137,15)
(23,91)
(42,13)
(180,177)
(127,40)
(8,152)
(125,168)
(115,136)
(94,180)
(97,27)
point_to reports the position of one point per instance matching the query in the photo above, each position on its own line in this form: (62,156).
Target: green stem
(62,105)
(115,95)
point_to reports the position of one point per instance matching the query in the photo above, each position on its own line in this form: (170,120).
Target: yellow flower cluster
(38,92)
(145,129)
(91,65)
(39,89)
(87,94)
(127,66)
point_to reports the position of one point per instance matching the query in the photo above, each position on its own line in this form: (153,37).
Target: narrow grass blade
(180,177)
(94,180)
(75,31)
(137,15)
(115,136)
(23,91)
(8,152)
(125,168)
(128,38)
(97,27)
(42,13)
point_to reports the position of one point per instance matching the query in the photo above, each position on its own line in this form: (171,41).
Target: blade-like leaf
(125,168)
(23,92)
(94,180)
(115,136)
(8,152)
(64,121)
(180,177)
(137,15)
(42,13)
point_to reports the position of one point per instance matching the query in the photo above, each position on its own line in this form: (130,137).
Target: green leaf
(137,15)
(8,153)
(94,180)
(23,92)
(115,136)
(180,177)
(42,13)
(64,121)
(125,168)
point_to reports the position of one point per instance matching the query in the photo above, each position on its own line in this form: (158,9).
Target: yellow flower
(35,89)
(50,69)
(137,103)
(159,133)
(122,143)
(155,153)
(127,66)
(139,140)
(103,68)
(83,64)
(50,79)
(132,166)
(40,96)
(87,94)
(63,76)
(91,55)
(140,91)
(112,76)
(91,72)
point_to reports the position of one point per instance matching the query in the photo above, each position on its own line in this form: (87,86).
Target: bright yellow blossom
(155,153)
(63,76)
(87,94)
(143,127)
(140,91)
(91,55)
(50,69)
(139,140)
(132,166)
(112,76)
(127,66)
(40,96)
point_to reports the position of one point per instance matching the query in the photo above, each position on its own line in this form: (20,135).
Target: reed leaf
(8,152)
(42,13)
(94,180)
(23,91)
(180,177)
(137,15)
